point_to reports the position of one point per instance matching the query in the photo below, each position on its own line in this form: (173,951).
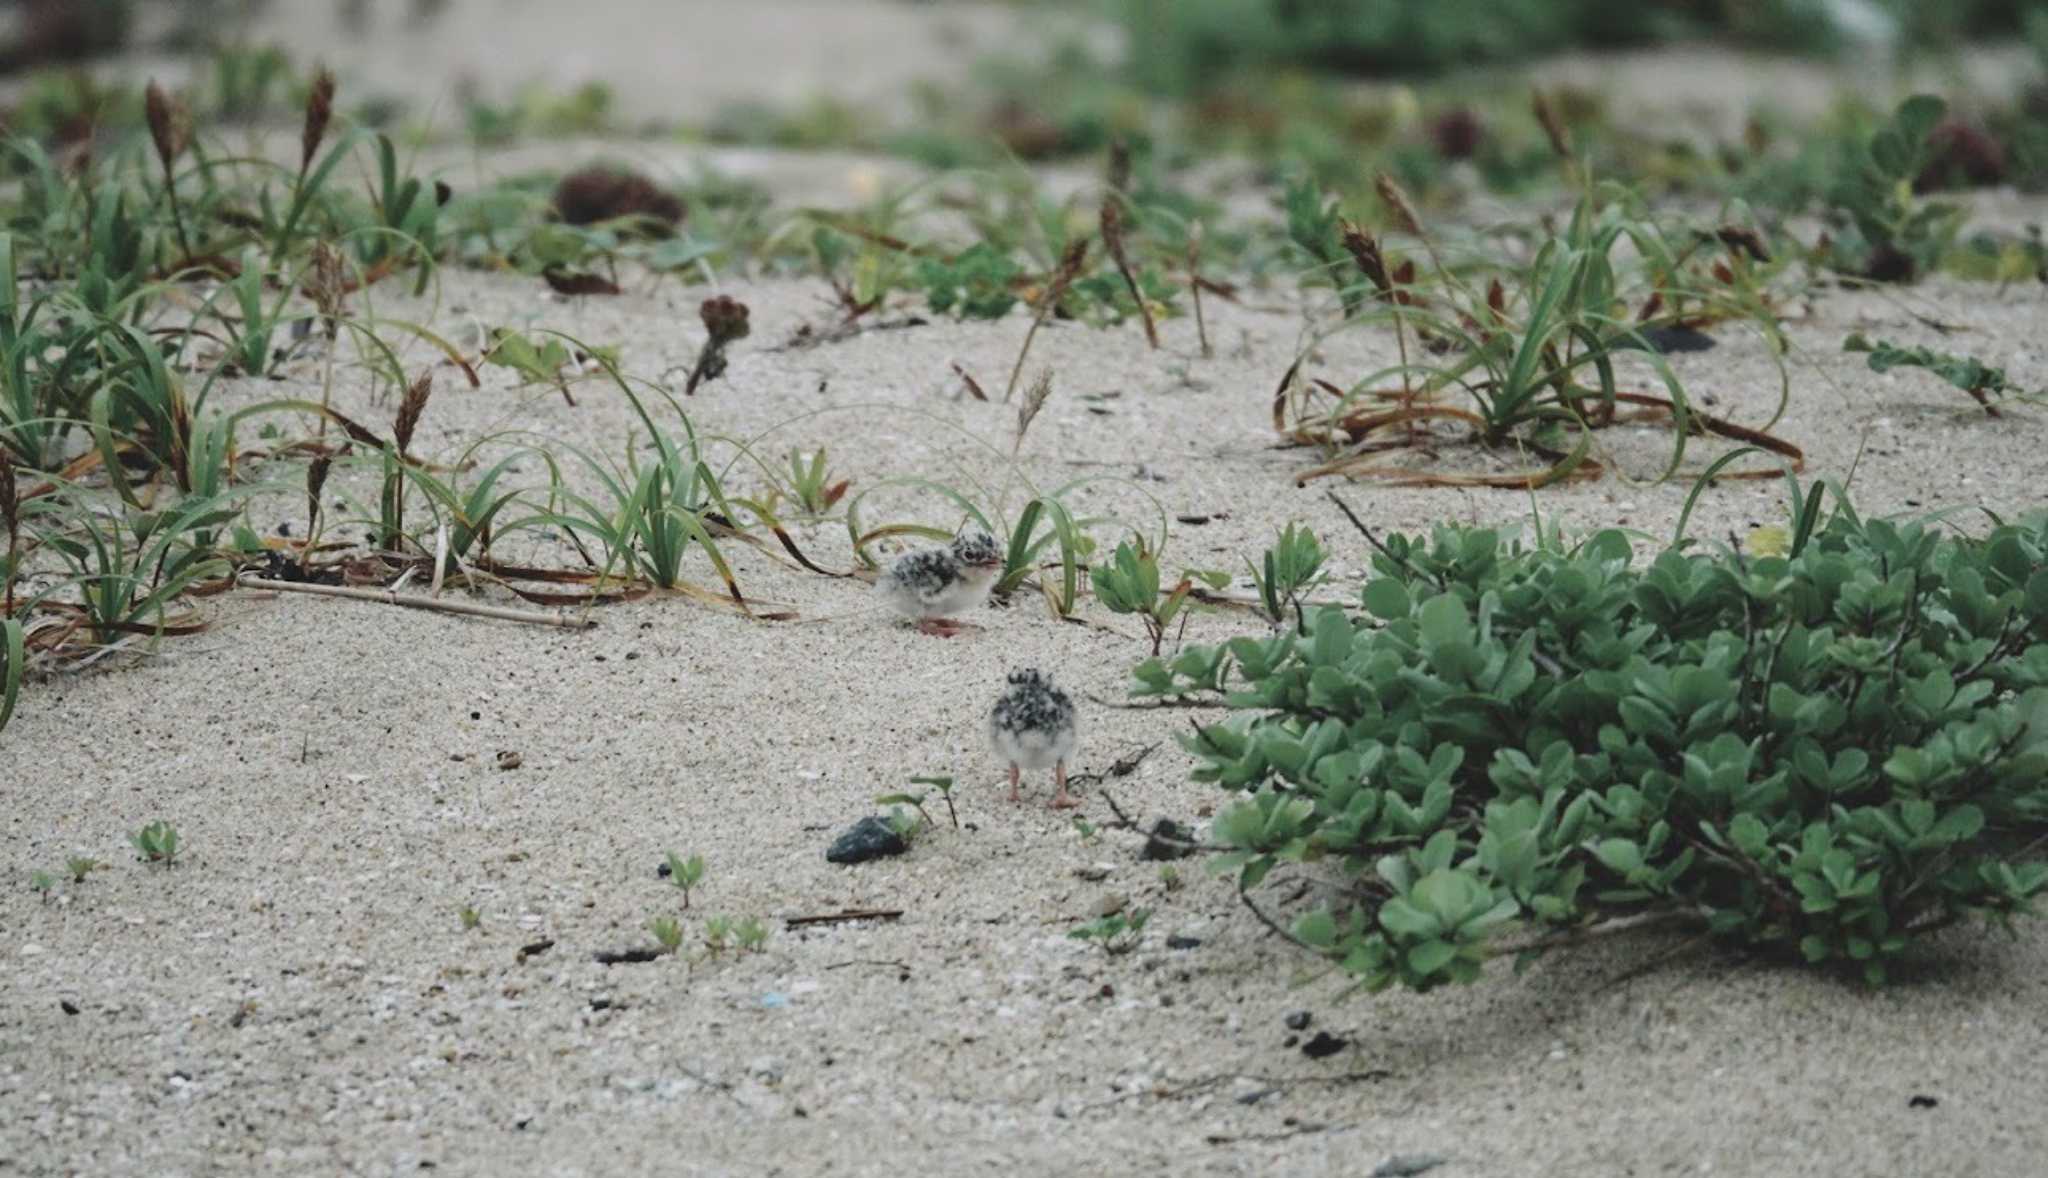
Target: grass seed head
(1069,269)
(1119,166)
(328,284)
(409,410)
(170,129)
(316,478)
(1365,252)
(319,110)
(1035,398)
(1396,199)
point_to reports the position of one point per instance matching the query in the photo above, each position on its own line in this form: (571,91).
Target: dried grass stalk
(1069,269)
(561,618)
(1553,126)
(1112,222)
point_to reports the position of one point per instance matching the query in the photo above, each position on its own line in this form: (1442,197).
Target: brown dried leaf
(570,282)
(1743,240)
(973,386)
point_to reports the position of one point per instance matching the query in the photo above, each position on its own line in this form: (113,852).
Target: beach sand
(299,994)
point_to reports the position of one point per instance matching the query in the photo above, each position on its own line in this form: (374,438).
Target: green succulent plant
(1830,751)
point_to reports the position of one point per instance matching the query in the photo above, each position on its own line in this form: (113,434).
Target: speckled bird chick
(935,584)
(1033,726)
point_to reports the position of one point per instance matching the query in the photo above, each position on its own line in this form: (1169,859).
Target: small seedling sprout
(1117,933)
(157,843)
(685,873)
(718,932)
(750,934)
(667,933)
(945,787)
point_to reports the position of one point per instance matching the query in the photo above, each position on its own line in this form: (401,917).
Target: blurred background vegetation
(1176,45)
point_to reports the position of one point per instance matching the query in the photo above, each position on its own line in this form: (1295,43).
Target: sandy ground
(299,996)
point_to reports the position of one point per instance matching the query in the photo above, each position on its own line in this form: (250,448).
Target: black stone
(1298,1021)
(1183,942)
(870,838)
(1169,840)
(1676,339)
(1324,1045)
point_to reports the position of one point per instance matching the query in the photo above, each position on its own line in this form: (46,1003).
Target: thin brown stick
(1195,286)
(559,618)
(851,914)
(1382,549)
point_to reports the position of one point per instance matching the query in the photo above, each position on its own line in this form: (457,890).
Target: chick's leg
(1062,800)
(1015,776)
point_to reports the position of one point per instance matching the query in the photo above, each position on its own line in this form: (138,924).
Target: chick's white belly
(911,600)
(1033,748)
(959,597)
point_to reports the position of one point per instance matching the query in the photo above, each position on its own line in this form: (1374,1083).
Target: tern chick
(1033,726)
(935,584)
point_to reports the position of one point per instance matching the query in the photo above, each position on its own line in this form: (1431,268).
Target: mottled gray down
(926,574)
(1033,720)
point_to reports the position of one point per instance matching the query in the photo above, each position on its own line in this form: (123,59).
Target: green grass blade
(11,671)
